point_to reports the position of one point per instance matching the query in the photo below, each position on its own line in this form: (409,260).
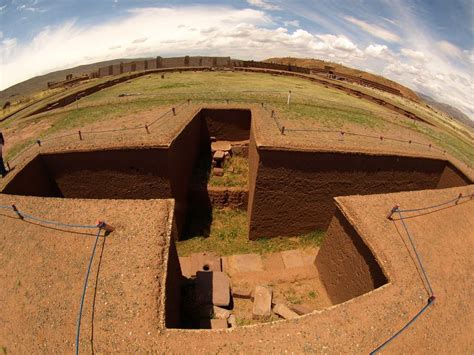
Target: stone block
(213,288)
(300,309)
(219,155)
(219,324)
(232,321)
(283,311)
(242,263)
(205,262)
(186,265)
(221,146)
(292,258)
(262,302)
(218,171)
(273,262)
(221,313)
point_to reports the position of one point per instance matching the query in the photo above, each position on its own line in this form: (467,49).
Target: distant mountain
(30,86)
(451,111)
(320,64)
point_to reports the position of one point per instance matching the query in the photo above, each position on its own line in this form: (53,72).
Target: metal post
(394,209)
(105,226)
(17,212)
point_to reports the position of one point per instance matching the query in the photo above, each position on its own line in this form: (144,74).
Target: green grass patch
(236,172)
(229,235)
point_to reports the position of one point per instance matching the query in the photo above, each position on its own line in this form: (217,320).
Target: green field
(311,104)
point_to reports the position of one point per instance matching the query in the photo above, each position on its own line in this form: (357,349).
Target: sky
(425,45)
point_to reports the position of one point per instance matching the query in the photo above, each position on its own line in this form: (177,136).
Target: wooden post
(80,135)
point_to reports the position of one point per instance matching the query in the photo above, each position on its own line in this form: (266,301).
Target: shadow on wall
(346,265)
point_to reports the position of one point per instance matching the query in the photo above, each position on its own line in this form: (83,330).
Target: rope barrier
(79,317)
(438,205)
(406,326)
(432,297)
(23,215)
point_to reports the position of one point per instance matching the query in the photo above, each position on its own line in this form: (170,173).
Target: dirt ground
(43,275)
(42,305)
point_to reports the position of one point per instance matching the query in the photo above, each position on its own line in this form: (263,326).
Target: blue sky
(426,45)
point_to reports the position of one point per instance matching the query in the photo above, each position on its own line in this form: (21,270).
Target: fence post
(189,101)
(174,111)
(394,209)
(105,226)
(273,113)
(459,198)
(289,97)
(283,130)
(39,142)
(80,135)
(147,130)
(17,212)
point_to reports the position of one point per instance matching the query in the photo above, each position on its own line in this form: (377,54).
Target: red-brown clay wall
(33,180)
(452,176)
(174,280)
(227,124)
(123,174)
(345,264)
(182,155)
(254,161)
(294,191)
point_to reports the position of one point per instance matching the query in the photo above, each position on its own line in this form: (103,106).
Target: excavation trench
(286,192)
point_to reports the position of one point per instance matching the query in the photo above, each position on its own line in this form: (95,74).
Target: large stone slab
(262,302)
(293,258)
(221,145)
(273,262)
(300,309)
(242,263)
(205,262)
(186,265)
(213,287)
(283,311)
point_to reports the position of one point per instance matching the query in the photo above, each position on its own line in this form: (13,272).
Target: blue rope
(435,206)
(79,317)
(416,252)
(430,302)
(33,218)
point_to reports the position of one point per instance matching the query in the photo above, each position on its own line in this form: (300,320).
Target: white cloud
(264,4)
(416,55)
(3,8)
(449,49)
(293,23)
(239,33)
(377,50)
(140,40)
(374,30)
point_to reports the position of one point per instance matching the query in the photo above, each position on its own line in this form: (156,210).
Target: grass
(236,171)
(229,235)
(312,104)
